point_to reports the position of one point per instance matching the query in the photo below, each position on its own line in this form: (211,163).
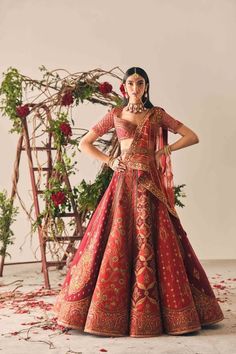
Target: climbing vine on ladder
(50,139)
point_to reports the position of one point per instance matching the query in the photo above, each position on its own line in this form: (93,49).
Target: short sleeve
(170,123)
(105,124)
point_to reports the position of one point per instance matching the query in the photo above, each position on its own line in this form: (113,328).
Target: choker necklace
(135,107)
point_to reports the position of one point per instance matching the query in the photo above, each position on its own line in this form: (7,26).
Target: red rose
(22,111)
(67,98)
(65,129)
(105,88)
(58,198)
(122,89)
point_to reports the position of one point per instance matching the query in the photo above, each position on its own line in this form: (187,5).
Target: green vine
(11,92)
(60,127)
(179,194)
(91,193)
(8,214)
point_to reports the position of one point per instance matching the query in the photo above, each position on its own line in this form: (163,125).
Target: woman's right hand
(116,164)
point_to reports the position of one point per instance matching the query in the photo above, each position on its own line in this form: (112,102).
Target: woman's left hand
(158,154)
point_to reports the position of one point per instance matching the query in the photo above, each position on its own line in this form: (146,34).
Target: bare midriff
(125,144)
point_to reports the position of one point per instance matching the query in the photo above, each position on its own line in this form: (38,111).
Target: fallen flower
(22,311)
(218,286)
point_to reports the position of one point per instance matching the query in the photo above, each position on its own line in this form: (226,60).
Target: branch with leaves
(8,215)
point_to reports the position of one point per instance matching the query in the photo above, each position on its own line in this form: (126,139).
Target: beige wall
(188,49)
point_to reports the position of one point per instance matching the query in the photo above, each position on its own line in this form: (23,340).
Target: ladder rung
(67,215)
(42,169)
(40,148)
(63,238)
(39,191)
(55,263)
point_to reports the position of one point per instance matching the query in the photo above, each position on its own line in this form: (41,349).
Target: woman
(135,272)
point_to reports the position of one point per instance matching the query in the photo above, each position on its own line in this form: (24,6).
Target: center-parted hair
(141,72)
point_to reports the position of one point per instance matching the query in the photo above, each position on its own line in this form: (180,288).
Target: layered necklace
(135,107)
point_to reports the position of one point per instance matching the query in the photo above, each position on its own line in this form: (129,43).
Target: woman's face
(135,87)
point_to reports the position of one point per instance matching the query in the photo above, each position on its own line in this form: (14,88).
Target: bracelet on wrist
(110,161)
(167,149)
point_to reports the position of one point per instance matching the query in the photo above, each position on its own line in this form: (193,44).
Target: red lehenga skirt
(135,272)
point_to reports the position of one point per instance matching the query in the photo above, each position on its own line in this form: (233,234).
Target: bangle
(110,161)
(167,150)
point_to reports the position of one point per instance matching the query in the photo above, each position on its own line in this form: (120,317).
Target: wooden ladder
(24,144)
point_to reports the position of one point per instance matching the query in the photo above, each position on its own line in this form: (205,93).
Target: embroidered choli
(125,129)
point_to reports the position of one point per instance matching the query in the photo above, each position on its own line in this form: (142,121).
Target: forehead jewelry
(135,74)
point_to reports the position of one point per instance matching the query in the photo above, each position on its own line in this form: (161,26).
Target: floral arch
(45,108)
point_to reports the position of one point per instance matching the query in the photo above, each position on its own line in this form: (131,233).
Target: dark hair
(141,72)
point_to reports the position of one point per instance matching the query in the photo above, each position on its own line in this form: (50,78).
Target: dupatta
(166,167)
(151,133)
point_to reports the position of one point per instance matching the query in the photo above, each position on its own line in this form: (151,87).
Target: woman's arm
(175,126)
(188,138)
(86,145)
(99,129)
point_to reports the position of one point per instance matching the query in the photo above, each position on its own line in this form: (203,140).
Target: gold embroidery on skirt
(181,320)
(81,272)
(73,313)
(207,306)
(145,317)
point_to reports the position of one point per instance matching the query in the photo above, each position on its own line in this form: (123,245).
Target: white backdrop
(187,48)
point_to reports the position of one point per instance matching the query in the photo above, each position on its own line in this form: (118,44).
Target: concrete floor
(20,308)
